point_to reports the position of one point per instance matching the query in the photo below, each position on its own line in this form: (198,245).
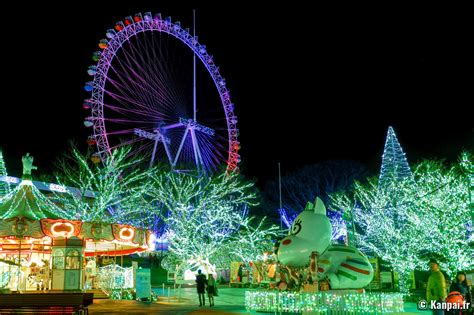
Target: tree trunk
(404,281)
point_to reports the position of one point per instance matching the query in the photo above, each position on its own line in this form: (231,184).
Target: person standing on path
(436,287)
(201,287)
(211,289)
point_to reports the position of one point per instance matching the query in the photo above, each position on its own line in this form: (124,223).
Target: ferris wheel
(144,93)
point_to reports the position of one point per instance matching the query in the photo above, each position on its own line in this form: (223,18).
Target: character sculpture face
(311,231)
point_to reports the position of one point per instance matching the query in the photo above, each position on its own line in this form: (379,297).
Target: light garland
(353,302)
(128,294)
(115,277)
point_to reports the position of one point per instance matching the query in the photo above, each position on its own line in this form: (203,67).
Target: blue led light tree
(395,166)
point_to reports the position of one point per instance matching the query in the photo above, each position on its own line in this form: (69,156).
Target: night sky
(308,84)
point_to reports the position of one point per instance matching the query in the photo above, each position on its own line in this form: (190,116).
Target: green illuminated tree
(407,222)
(251,241)
(441,207)
(115,184)
(205,215)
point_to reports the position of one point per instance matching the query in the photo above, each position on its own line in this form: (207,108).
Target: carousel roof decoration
(27,215)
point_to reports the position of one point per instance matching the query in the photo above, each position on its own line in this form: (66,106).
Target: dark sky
(308,84)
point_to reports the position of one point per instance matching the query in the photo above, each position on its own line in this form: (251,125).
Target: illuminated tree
(441,208)
(407,222)
(203,214)
(4,186)
(395,166)
(251,241)
(114,184)
(381,227)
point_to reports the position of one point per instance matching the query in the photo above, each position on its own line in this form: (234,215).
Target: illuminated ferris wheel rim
(110,48)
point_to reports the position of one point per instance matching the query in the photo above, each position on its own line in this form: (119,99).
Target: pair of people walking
(204,284)
(436,290)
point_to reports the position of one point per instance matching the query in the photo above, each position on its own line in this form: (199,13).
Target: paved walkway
(230,301)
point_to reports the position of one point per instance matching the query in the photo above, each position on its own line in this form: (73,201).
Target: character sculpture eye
(296,228)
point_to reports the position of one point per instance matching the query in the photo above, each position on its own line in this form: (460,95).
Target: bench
(86,301)
(50,303)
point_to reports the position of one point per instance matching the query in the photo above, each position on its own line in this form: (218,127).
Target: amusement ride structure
(144,94)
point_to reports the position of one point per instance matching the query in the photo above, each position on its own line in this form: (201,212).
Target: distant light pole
(279,189)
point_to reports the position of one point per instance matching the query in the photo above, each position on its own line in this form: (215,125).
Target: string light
(348,302)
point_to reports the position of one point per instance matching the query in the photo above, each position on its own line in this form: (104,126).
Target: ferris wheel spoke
(126,111)
(126,143)
(137,93)
(211,156)
(134,111)
(127,93)
(145,87)
(142,112)
(125,74)
(145,96)
(126,121)
(152,77)
(163,70)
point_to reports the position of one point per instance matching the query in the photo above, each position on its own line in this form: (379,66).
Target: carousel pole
(115,268)
(19,268)
(121,264)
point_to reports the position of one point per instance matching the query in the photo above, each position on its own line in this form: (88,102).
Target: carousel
(40,250)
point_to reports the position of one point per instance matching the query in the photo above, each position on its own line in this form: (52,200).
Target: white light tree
(204,215)
(409,221)
(115,184)
(442,206)
(381,227)
(251,241)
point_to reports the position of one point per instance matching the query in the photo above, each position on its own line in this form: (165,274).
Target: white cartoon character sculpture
(345,266)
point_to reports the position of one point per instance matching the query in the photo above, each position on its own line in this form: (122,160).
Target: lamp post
(279,189)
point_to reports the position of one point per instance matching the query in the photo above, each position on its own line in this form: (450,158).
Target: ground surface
(229,301)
